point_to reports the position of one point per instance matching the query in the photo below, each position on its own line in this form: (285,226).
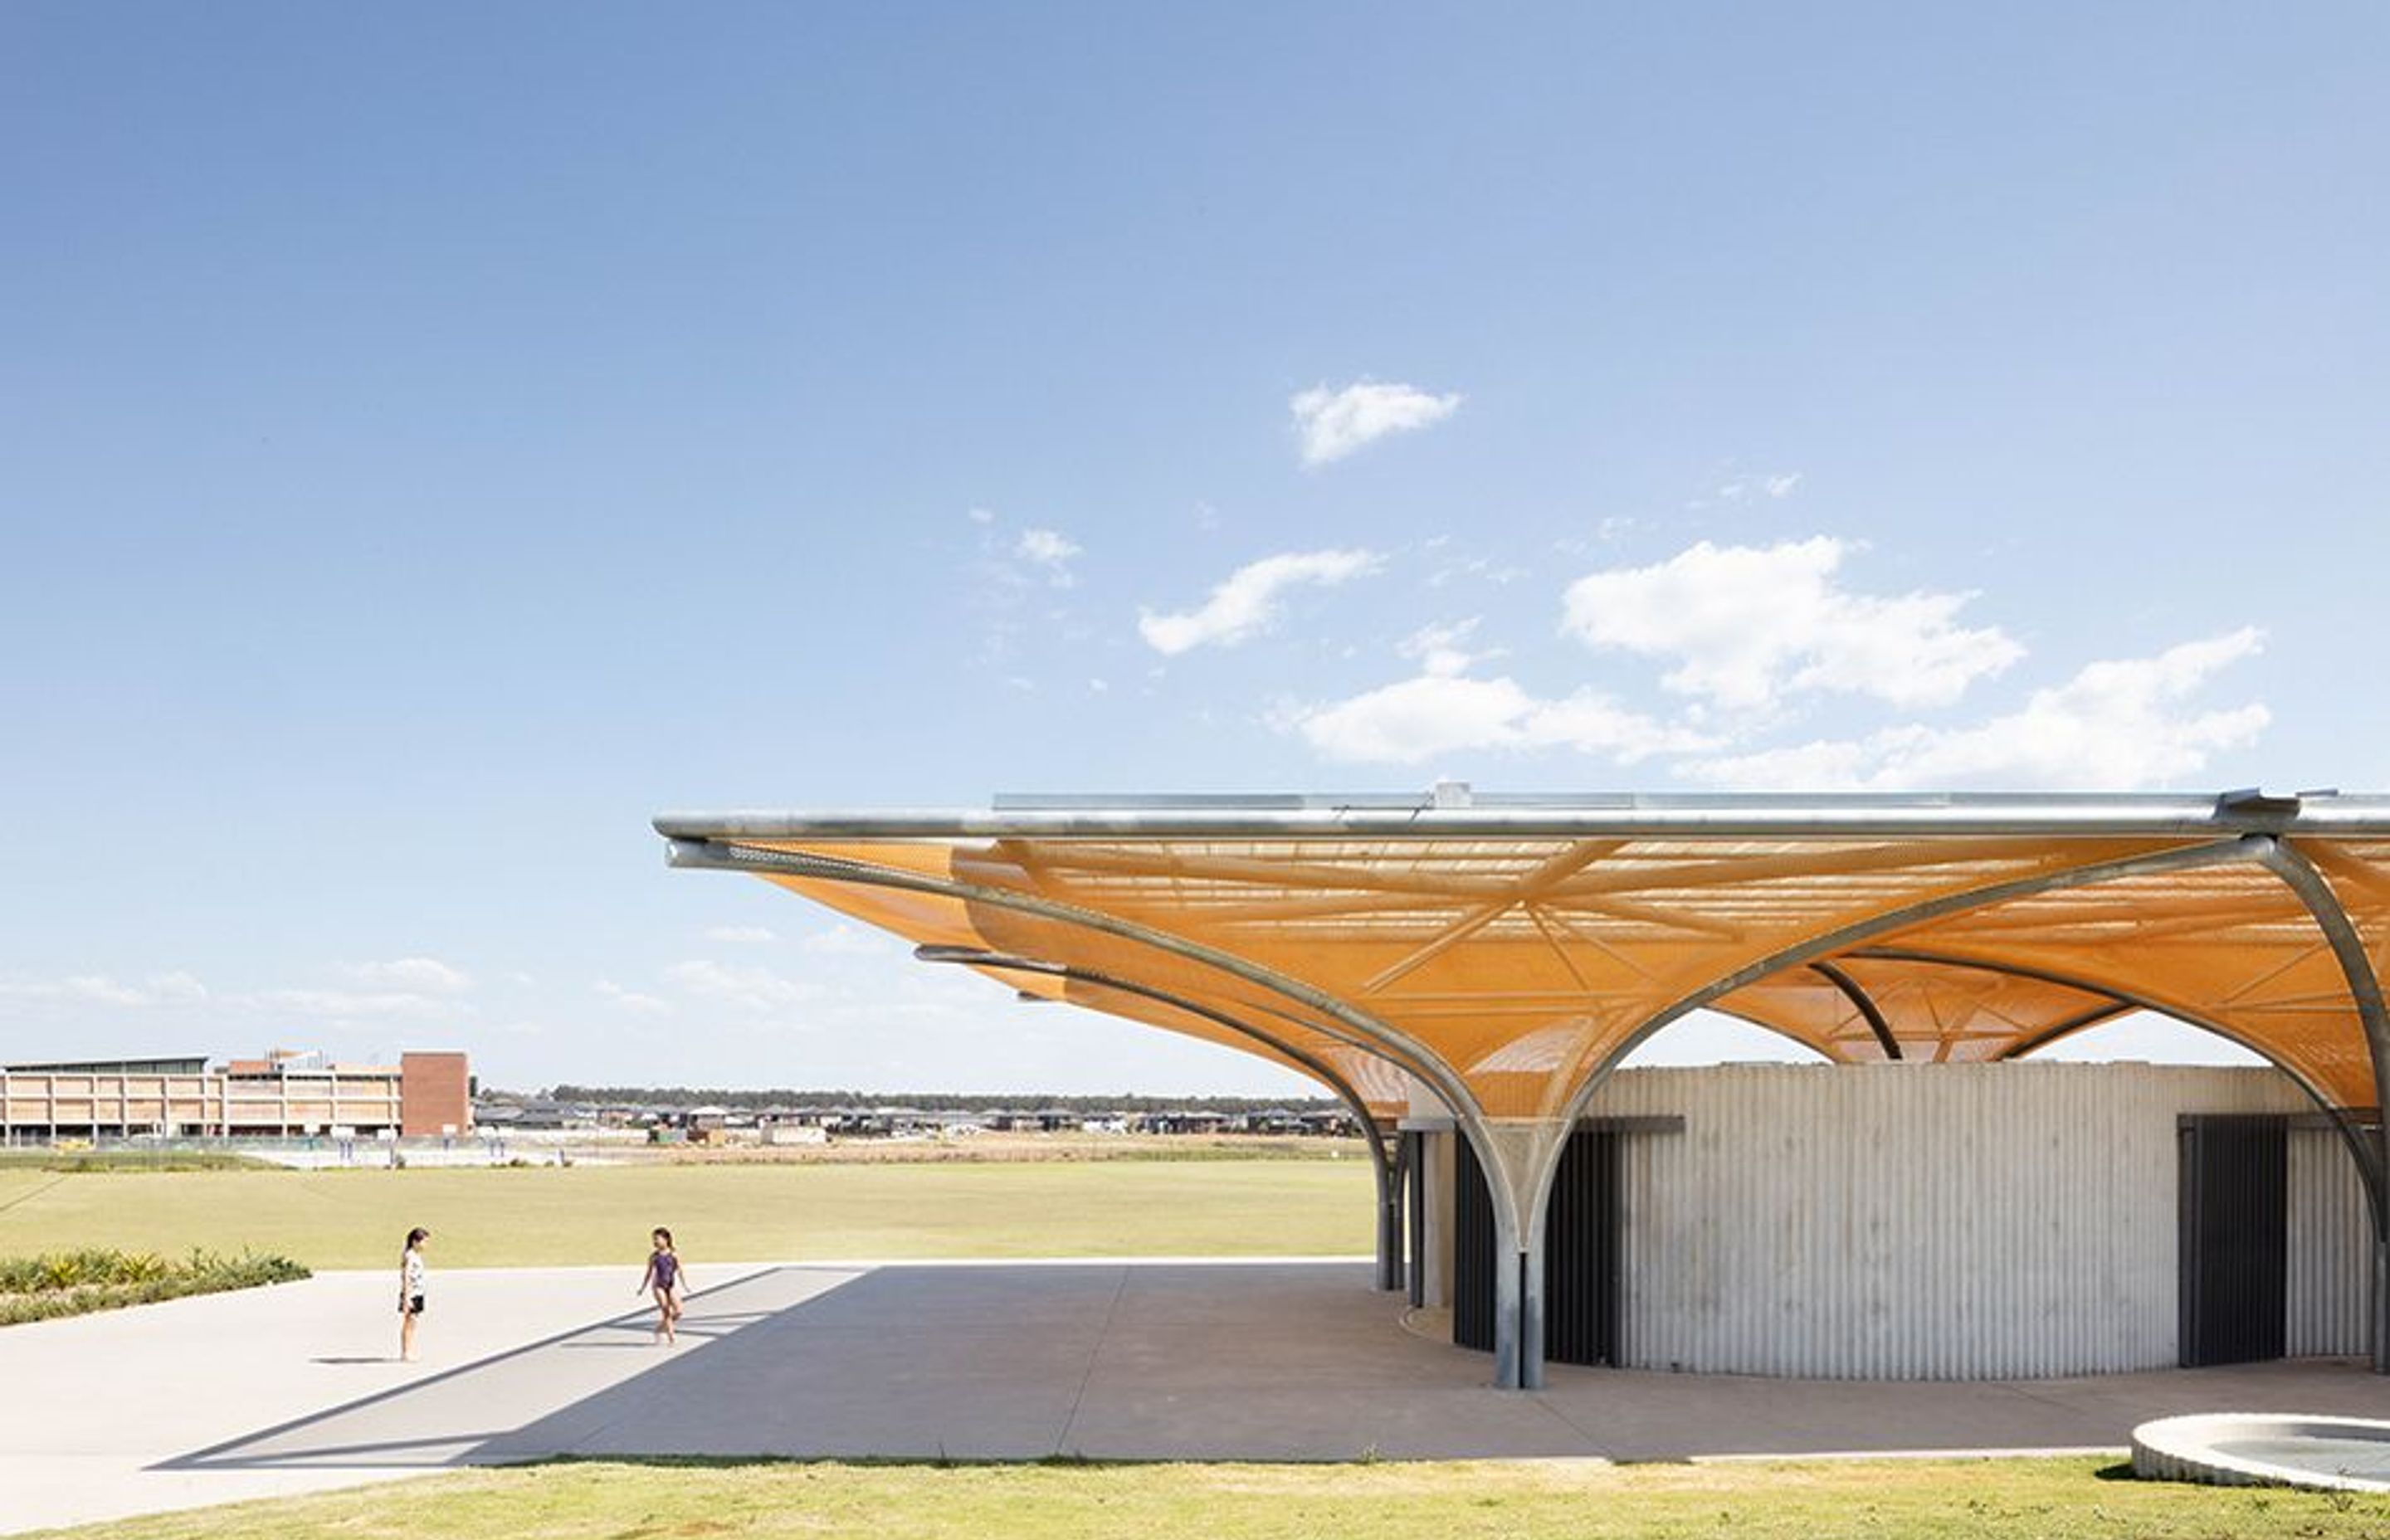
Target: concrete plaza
(293,1389)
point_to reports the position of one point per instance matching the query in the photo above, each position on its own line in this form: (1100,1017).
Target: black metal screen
(1581,1245)
(1472,1253)
(1582,1230)
(2235,1219)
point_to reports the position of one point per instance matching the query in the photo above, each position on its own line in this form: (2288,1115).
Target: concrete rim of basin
(2184,1449)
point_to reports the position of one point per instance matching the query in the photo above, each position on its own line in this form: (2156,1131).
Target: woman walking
(410,1292)
(663,1279)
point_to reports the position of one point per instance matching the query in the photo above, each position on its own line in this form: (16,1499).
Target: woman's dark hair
(418,1232)
(667,1235)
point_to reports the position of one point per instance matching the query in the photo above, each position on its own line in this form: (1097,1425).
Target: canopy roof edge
(1431,817)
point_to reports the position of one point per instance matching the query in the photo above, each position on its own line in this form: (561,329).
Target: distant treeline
(928,1102)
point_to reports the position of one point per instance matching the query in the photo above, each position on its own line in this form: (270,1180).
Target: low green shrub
(131,1162)
(75,1283)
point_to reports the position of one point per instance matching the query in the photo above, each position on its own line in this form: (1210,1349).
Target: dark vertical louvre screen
(2234,1205)
(1582,1284)
(1581,1262)
(1472,1253)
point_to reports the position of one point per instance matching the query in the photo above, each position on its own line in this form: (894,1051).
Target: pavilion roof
(1509,951)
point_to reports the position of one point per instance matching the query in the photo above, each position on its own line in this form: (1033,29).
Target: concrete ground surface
(294,1387)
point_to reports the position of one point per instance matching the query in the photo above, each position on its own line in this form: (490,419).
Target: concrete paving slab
(101,1405)
(290,1389)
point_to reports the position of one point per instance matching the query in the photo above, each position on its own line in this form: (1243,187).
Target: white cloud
(411,974)
(631,999)
(2123,724)
(1777,486)
(981,516)
(101,989)
(1331,424)
(848,941)
(350,1004)
(1440,649)
(1440,714)
(309,1006)
(1246,603)
(1048,549)
(742,935)
(755,989)
(1745,624)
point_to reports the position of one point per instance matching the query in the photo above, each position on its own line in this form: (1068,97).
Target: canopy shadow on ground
(1168,1361)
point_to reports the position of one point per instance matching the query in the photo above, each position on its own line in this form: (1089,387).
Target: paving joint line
(1550,1404)
(1087,1375)
(29,1197)
(581,1445)
(210,1456)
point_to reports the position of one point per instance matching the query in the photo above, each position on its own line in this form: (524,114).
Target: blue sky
(434,440)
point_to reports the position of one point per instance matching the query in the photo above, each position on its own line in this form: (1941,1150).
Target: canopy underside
(1513,968)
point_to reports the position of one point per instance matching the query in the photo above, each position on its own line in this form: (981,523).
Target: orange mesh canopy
(1509,954)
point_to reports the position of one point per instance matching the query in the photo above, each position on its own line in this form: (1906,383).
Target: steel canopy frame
(1520,1154)
(1799,953)
(1390,1267)
(1510,1355)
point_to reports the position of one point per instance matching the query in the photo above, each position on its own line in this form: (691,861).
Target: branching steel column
(1359,1028)
(2365,992)
(1843,938)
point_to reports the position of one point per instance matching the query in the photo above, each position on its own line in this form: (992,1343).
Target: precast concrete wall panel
(2330,1264)
(1897,1222)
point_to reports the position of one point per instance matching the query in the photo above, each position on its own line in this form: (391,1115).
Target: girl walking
(664,1280)
(410,1290)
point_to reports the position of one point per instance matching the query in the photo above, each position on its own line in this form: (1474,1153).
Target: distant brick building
(280,1095)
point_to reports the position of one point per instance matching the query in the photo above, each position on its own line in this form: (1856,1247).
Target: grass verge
(1929,1499)
(76,1283)
(546,1216)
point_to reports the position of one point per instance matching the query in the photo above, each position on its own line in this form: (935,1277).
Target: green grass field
(590,1215)
(1981,1500)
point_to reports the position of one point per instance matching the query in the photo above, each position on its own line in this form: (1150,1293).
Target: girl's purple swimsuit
(667,1267)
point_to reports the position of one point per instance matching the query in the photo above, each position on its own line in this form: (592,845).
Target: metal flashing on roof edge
(1477,813)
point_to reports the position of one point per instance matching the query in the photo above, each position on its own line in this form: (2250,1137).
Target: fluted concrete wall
(1953,1222)
(2330,1259)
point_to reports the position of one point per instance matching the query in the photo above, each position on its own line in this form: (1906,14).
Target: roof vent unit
(2253,800)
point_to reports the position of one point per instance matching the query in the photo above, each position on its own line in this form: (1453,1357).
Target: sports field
(547,1215)
(2089,1498)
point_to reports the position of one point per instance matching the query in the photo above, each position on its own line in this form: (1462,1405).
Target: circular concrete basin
(2342,1454)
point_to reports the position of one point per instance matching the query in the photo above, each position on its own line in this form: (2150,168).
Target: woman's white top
(414,1271)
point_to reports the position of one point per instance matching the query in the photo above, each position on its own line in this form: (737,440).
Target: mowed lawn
(546,1216)
(1981,1500)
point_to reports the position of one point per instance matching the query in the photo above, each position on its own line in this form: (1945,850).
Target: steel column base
(2381,1304)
